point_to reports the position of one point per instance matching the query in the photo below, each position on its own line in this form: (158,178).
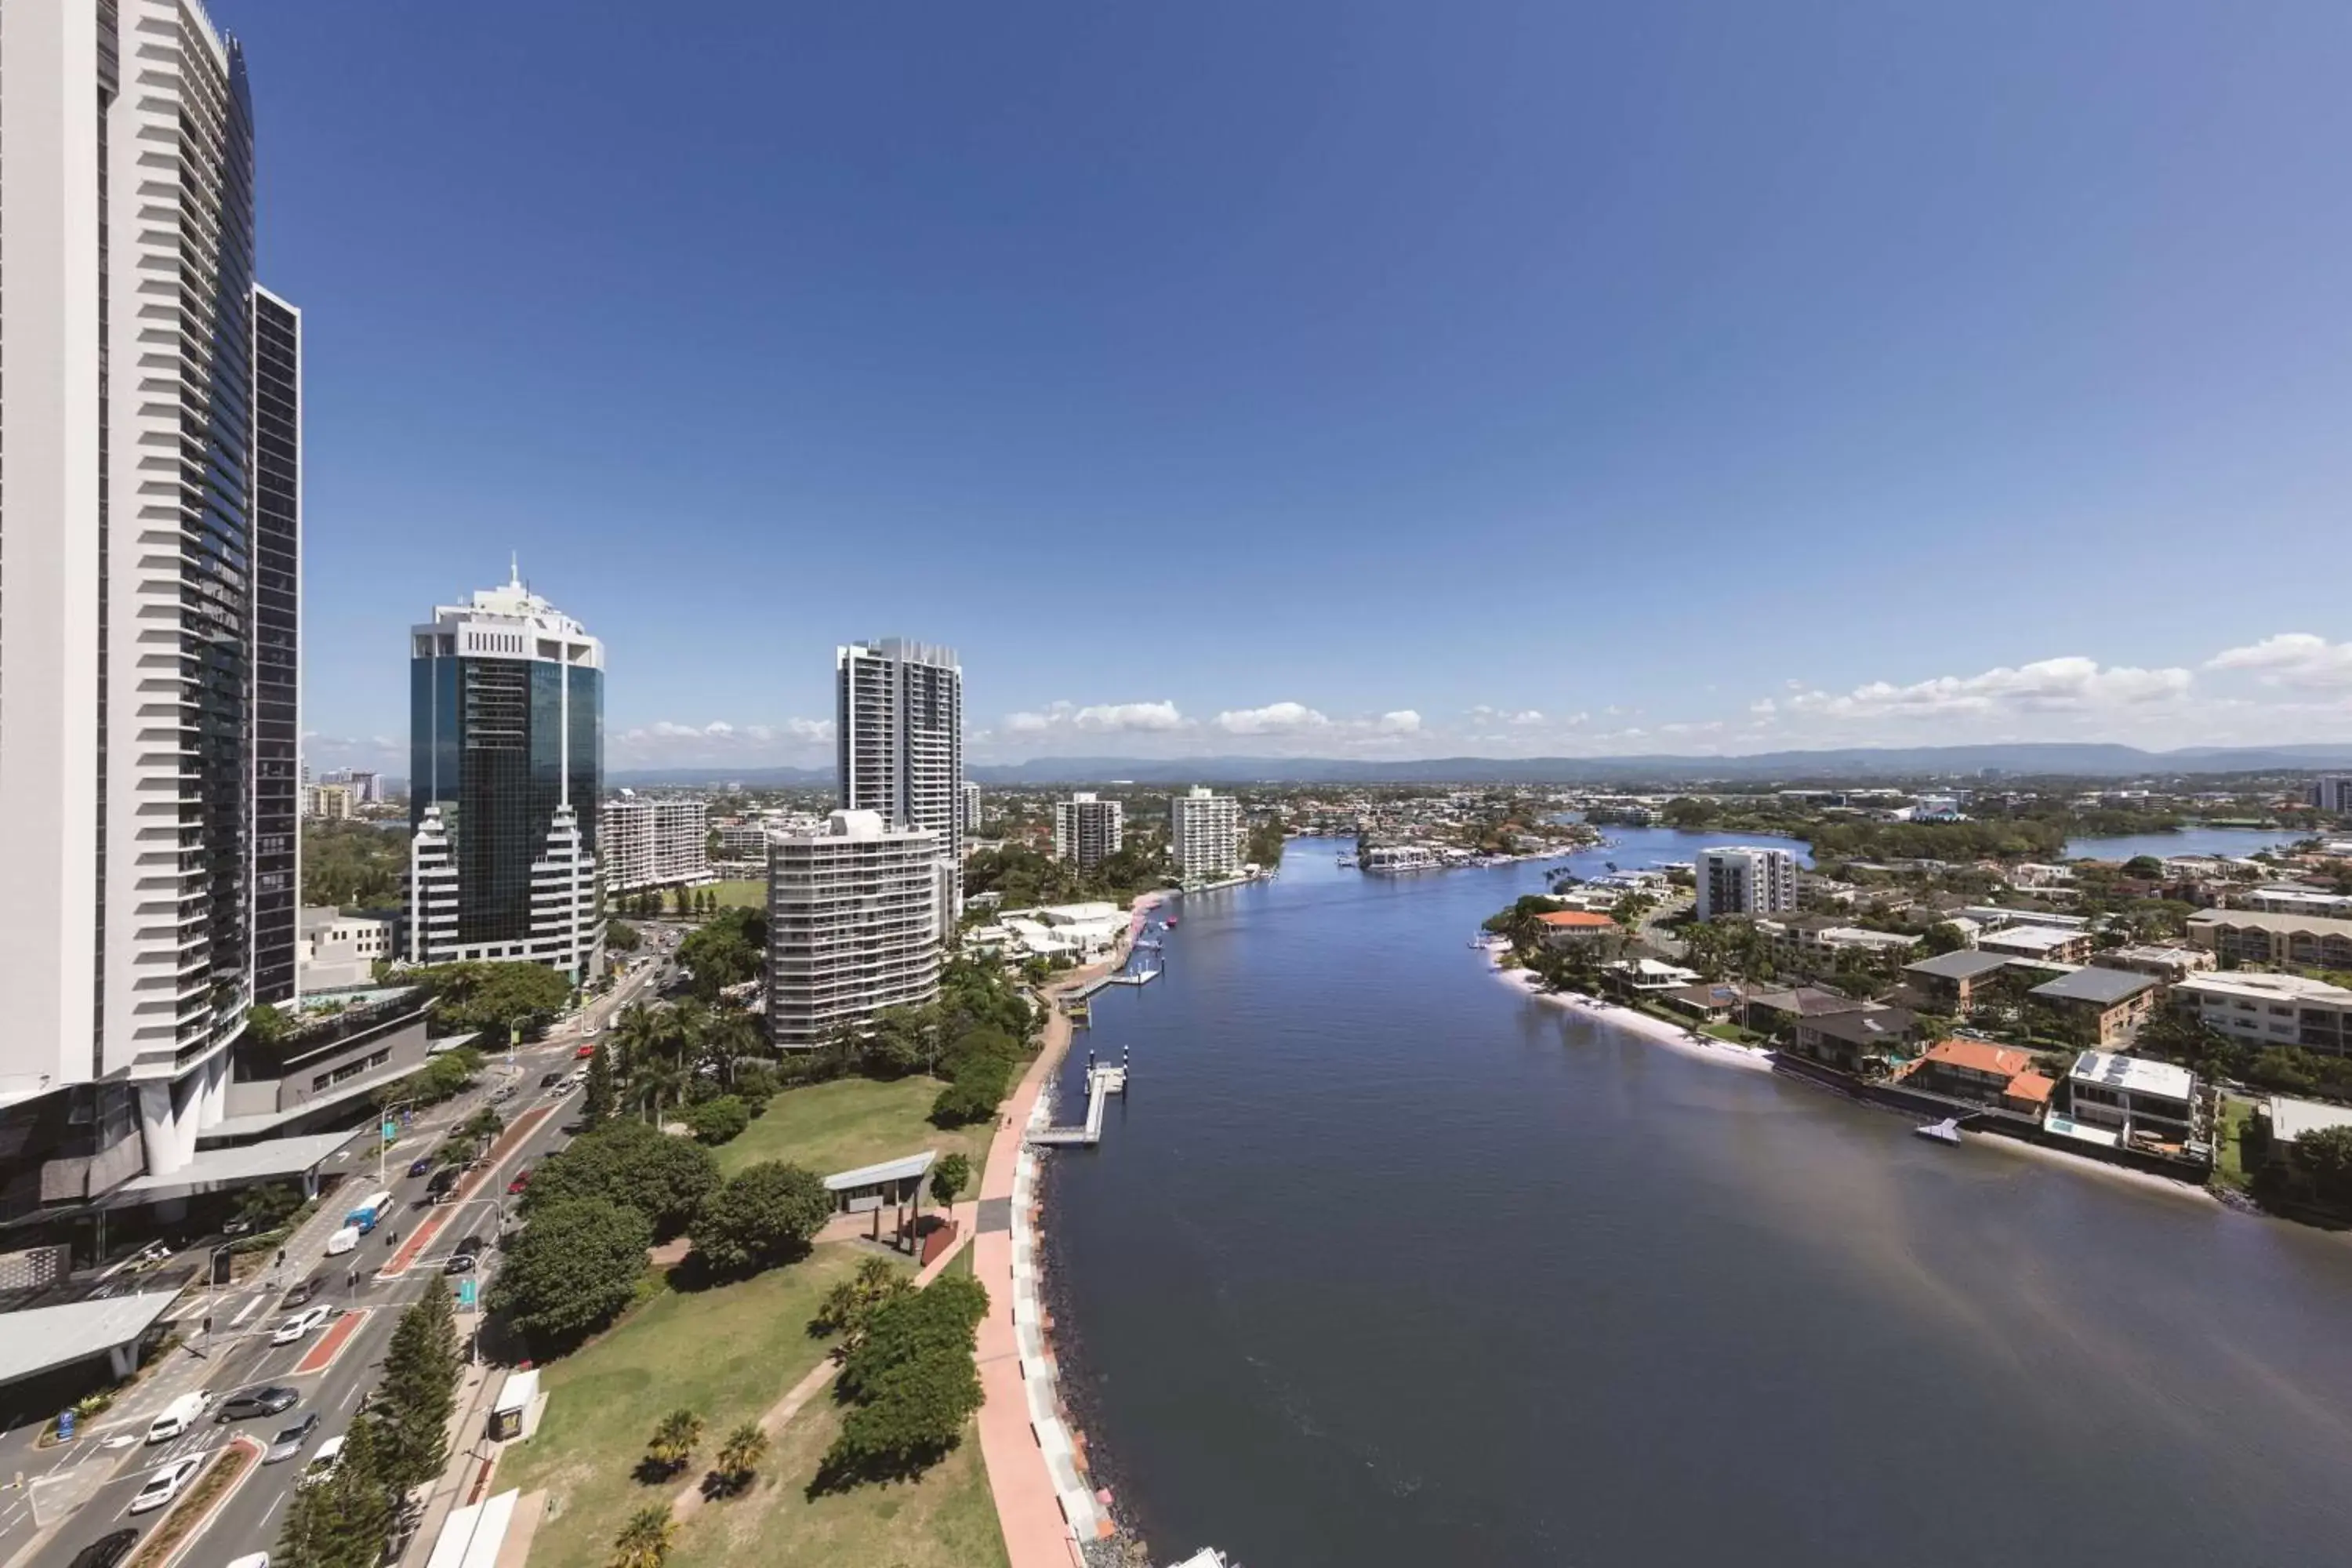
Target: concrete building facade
(1204,834)
(1088,829)
(852,926)
(1745,880)
(650,842)
(898,743)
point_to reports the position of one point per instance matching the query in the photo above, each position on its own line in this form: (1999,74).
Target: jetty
(1102,1082)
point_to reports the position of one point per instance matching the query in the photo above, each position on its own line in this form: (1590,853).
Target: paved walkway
(1028,1510)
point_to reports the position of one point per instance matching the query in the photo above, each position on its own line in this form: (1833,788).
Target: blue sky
(1350,379)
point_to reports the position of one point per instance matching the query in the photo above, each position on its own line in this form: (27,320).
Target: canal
(1382,1263)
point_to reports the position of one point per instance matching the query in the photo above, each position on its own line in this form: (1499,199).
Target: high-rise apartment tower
(899,735)
(1088,829)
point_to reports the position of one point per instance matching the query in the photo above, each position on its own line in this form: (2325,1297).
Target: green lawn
(853,1122)
(944,1518)
(727,1352)
(750,894)
(2228,1154)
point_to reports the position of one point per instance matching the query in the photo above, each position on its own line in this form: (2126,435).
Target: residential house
(2139,1102)
(1975,1070)
(2106,1006)
(1709,1002)
(1768,1011)
(1564,927)
(1853,1041)
(1648,975)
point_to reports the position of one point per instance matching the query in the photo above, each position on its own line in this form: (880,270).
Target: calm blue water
(2187,841)
(1382,1263)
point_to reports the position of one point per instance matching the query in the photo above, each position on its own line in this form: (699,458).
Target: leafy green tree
(762,1217)
(572,1269)
(717,1121)
(620,936)
(421,1368)
(600,1099)
(671,1448)
(1945,937)
(489,997)
(345,1521)
(352,865)
(849,1307)
(911,1384)
(2326,1157)
(644,1541)
(739,1457)
(1265,844)
(973,1094)
(663,1179)
(949,1176)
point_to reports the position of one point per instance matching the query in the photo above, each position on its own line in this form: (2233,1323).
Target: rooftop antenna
(514,569)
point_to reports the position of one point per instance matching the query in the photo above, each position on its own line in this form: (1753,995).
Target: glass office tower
(506,764)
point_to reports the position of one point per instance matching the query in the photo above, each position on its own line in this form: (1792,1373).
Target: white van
(322,1464)
(342,1241)
(178,1417)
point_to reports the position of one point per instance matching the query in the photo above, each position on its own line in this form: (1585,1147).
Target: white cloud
(2291,659)
(1524,718)
(1403,722)
(1101,718)
(1274,719)
(1763,705)
(810,729)
(2069,685)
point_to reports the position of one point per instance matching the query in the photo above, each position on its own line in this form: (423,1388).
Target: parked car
(106,1551)
(522,1180)
(550,1080)
(322,1463)
(304,1294)
(250,1401)
(504,1091)
(422,1163)
(289,1440)
(165,1483)
(299,1325)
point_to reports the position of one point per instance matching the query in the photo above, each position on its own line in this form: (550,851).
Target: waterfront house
(1768,1011)
(1857,1039)
(2028,1092)
(1648,975)
(2143,1104)
(1708,1001)
(1975,1070)
(2108,1006)
(1565,928)
(1953,982)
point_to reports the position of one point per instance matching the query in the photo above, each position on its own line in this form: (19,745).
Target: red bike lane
(406,1254)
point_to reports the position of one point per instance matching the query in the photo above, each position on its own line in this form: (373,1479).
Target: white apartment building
(2292,901)
(898,741)
(852,926)
(338,951)
(1745,880)
(2333,793)
(970,809)
(326,801)
(1204,834)
(744,840)
(2261,1010)
(650,843)
(132,613)
(1086,829)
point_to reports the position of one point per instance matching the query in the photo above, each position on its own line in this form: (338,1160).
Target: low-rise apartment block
(2139,1102)
(2165,962)
(2251,936)
(652,843)
(2107,1004)
(2038,944)
(2263,1010)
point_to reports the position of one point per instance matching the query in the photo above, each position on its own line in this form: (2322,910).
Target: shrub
(717,1121)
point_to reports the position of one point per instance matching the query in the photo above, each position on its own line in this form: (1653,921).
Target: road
(241,1355)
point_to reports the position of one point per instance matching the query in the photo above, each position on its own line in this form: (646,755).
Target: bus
(364,1218)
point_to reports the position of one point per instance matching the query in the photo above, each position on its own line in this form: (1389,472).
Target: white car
(342,1241)
(322,1463)
(300,1324)
(165,1483)
(250,1560)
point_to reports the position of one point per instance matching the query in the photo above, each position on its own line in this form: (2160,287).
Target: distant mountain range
(2064,759)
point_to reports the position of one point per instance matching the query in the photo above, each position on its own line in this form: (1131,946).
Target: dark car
(422,1163)
(248,1403)
(461,1261)
(550,1080)
(444,1182)
(106,1551)
(301,1294)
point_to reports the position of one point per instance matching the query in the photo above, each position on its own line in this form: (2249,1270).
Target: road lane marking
(250,1308)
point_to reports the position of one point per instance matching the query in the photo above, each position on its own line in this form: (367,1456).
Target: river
(2192,841)
(1381,1262)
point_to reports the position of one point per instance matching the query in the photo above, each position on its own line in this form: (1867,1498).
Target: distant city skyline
(1520,380)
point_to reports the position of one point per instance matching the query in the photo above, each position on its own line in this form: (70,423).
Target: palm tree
(635,1035)
(644,1541)
(675,1440)
(739,1456)
(657,1084)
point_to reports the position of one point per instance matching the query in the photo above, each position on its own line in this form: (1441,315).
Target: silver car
(288,1443)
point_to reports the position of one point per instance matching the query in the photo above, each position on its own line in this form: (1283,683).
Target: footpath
(1035,1463)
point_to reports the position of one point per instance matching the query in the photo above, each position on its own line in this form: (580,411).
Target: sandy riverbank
(1657,1031)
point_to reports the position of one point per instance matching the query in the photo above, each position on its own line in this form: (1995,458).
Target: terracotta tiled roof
(1980,1056)
(1577,920)
(2029,1086)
